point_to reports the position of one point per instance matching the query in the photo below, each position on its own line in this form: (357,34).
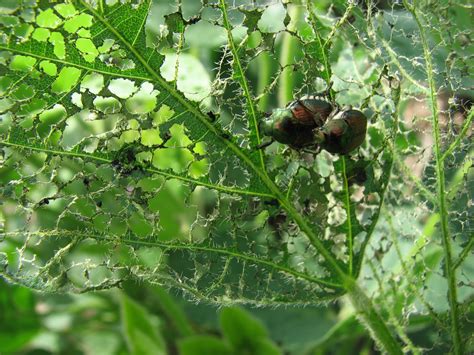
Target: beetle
(343,133)
(282,127)
(312,124)
(310,111)
(293,125)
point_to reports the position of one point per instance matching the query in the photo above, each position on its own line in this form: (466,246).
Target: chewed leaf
(131,146)
(48,19)
(122,88)
(192,78)
(67,78)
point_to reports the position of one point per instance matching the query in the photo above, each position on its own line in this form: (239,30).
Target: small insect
(312,124)
(293,125)
(124,161)
(343,133)
(310,111)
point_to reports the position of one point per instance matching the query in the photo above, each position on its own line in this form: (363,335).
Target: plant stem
(450,271)
(392,317)
(372,320)
(347,205)
(459,138)
(240,76)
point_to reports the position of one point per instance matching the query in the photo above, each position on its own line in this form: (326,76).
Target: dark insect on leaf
(311,111)
(311,123)
(344,133)
(43,202)
(212,116)
(193,20)
(272,202)
(124,161)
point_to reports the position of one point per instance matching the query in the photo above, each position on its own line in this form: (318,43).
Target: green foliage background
(128,135)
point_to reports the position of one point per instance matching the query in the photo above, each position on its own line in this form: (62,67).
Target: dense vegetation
(129,157)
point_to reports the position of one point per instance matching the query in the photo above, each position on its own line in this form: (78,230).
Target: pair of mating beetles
(311,123)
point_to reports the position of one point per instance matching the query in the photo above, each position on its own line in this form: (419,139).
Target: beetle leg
(314,151)
(326,93)
(265,144)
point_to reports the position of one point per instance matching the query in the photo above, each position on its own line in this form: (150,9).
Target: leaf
(203,345)
(101,141)
(242,332)
(344,331)
(19,321)
(239,327)
(245,333)
(142,335)
(110,172)
(161,301)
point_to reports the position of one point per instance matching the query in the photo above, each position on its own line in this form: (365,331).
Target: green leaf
(203,345)
(245,333)
(19,322)
(240,327)
(90,128)
(140,330)
(111,171)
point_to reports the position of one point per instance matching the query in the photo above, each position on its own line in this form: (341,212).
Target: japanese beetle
(343,133)
(283,128)
(293,125)
(311,124)
(310,111)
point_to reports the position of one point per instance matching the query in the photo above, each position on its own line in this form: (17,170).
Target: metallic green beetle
(311,123)
(293,125)
(343,133)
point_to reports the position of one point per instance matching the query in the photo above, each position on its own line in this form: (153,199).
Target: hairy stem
(347,205)
(464,253)
(392,317)
(240,76)
(460,136)
(449,266)
(365,309)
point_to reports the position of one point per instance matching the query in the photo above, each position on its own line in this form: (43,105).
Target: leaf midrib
(223,188)
(243,81)
(192,247)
